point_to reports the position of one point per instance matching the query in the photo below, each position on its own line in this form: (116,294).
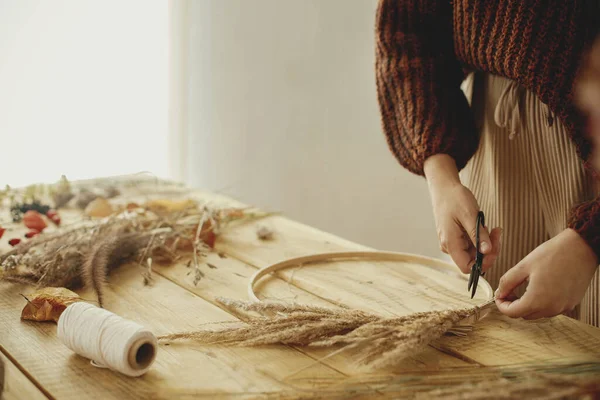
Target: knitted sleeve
(423,110)
(585,220)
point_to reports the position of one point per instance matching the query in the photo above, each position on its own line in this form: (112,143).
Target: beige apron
(525,175)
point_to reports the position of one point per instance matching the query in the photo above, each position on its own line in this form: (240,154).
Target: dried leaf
(47,304)
(165,206)
(132,206)
(99,208)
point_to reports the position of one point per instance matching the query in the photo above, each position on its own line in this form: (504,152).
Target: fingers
(469,222)
(511,280)
(458,248)
(505,299)
(456,243)
(490,258)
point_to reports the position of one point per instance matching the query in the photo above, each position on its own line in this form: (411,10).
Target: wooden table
(38,366)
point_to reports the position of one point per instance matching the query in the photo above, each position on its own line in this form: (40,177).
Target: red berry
(53,216)
(2,230)
(32,233)
(14,242)
(33,220)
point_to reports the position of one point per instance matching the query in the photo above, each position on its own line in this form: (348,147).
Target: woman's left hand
(558,273)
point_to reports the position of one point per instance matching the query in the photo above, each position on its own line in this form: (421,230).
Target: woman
(521,144)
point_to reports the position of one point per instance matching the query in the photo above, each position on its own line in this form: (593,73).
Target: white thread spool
(108,340)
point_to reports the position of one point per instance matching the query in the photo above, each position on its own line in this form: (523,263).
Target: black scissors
(476,269)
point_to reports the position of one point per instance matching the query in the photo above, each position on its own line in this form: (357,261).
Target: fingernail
(496,293)
(485,247)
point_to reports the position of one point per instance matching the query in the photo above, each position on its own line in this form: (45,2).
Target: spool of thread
(107,339)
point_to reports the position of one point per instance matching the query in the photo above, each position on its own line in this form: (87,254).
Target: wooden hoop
(367,256)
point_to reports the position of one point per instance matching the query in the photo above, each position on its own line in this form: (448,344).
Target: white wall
(83,88)
(282,113)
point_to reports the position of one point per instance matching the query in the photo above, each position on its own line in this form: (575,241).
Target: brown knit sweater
(425,47)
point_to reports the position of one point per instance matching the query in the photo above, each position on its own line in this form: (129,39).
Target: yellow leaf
(47,304)
(160,206)
(99,208)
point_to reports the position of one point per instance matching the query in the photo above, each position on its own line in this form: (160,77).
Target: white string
(106,339)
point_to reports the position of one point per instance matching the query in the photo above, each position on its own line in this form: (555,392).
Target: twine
(108,340)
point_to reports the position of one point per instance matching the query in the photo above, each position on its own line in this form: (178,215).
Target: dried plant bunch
(85,252)
(564,380)
(379,342)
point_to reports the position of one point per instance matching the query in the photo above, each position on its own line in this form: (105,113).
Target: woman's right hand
(455,210)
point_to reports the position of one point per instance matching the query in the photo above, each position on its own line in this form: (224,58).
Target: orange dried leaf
(47,304)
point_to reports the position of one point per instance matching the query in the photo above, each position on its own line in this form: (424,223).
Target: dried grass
(85,253)
(379,342)
(562,380)
(384,342)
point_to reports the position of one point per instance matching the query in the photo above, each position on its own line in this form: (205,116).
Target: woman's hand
(455,210)
(558,272)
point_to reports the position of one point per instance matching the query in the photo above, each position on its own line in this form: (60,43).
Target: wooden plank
(498,340)
(179,369)
(14,385)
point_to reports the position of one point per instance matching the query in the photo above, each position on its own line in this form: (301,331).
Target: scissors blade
(472,276)
(475,282)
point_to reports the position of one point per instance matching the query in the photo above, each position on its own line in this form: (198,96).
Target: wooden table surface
(38,366)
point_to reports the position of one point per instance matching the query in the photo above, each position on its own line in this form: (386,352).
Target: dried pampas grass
(380,342)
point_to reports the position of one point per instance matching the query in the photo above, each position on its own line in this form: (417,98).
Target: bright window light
(83,89)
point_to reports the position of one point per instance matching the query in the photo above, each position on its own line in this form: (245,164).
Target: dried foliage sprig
(86,252)
(378,341)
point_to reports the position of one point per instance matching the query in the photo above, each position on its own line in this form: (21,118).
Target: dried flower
(84,198)
(264,233)
(111,192)
(85,252)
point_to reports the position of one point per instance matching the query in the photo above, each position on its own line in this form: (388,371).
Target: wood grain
(163,308)
(17,386)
